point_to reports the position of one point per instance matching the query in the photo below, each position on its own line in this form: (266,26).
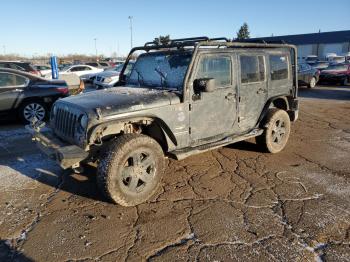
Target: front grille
(65,123)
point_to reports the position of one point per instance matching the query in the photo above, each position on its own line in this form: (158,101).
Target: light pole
(130,20)
(95,39)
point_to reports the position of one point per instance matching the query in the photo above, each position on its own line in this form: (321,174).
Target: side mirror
(204,85)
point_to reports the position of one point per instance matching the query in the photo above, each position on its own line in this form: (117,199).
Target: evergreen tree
(162,40)
(243,32)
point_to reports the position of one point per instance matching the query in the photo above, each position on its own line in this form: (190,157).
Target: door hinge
(189,107)
(239,99)
(189,130)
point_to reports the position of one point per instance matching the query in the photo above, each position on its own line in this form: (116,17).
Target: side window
(252,69)
(217,67)
(9,80)
(128,69)
(77,69)
(85,68)
(278,67)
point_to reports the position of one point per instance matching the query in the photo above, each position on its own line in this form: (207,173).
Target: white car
(110,77)
(83,71)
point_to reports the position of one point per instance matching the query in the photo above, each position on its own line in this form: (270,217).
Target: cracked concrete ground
(231,204)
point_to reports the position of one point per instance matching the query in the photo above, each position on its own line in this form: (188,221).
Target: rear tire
(130,171)
(277,131)
(31,109)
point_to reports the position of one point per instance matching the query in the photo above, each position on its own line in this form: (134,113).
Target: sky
(38,27)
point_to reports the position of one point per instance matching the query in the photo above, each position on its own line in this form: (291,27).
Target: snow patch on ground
(22,172)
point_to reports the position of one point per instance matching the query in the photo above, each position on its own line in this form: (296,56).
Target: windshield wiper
(139,76)
(162,77)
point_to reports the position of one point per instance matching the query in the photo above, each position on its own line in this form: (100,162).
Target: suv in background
(183,98)
(22,66)
(110,77)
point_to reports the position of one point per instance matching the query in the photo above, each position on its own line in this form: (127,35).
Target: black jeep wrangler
(181,98)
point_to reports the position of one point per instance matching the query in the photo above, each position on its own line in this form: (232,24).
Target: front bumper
(66,155)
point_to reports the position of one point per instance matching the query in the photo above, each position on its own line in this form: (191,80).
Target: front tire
(130,172)
(312,83)
(277,131)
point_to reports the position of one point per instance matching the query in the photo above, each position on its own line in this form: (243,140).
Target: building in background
(318,44)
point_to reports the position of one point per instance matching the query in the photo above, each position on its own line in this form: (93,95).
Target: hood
(118,100)
(109,73)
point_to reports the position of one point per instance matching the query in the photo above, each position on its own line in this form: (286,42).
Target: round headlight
(84,121)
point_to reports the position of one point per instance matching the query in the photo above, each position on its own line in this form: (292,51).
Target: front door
(11,90)
(253,89)
(213,114)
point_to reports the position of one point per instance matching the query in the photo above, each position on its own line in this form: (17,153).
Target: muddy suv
(181,98)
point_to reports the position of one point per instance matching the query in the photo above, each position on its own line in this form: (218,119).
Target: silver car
(110,77)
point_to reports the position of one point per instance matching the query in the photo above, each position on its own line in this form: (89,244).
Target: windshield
(65,68)
(160,70)
(337,67)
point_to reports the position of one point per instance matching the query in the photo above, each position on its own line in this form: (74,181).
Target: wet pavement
(231,204)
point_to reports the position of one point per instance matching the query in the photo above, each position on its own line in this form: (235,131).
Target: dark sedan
(28,96)
(307,75)
(338,74)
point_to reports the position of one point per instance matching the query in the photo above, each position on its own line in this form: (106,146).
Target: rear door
(253,89)
(11,90)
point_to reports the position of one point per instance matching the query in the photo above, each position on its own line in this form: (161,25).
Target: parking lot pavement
(234,203)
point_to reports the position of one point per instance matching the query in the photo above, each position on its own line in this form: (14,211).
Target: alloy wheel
(34,110)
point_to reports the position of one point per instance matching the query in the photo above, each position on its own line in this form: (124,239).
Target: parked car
(311,59)
(43,69)
(18,65)
(26,95)
(109,78)
(329,56)
(347,57)
(320,65)
(83,71)
(307,75)
(337,60)
(99,64)
(178,102)
(339,74)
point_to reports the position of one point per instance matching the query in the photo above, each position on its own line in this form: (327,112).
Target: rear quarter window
(278,67)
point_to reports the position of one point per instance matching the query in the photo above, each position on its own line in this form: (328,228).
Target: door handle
(230,96)
(261,91)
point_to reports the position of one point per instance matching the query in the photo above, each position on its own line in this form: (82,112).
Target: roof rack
(261,41)
(190,40)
